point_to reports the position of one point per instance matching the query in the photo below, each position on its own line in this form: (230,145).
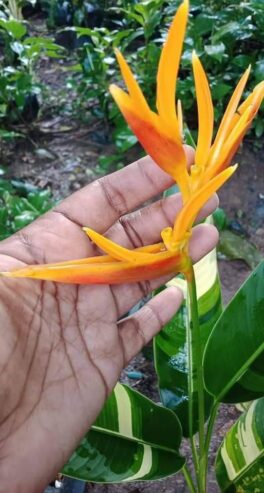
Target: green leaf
(234,355)
(220,220)
(203,24)
(124,139)
(188,138)
(240,459)
(170,346)
(40,200)
(220,90)
(259,127)
(15,28)
(233,246)
(259,70)
(215,51)
(22,187)
(24,219)
(243,61)
(227,29)
(132,439)
(7,134)
(171,191)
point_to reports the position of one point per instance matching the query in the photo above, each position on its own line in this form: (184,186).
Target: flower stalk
(195,374)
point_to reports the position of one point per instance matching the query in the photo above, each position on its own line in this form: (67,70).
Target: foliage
(241,375)
(20,204)
(75,13)
(18,82)
(150,454)
(236,469)
(98,66)
(14,8)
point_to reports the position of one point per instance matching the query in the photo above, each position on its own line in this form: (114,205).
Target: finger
(143,227)
(137,330)
(101,203)
(204,239)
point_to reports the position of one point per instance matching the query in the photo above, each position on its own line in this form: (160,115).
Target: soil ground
(63,154)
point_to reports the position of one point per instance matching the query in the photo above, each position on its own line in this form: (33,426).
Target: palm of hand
(63,347)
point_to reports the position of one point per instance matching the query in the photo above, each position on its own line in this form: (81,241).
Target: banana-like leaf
(234,355)
(132,439)
(171,345)
(240,459)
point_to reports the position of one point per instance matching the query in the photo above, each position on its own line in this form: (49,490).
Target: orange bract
(161,136)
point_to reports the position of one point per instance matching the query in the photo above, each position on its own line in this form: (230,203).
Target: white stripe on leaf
(124,410)
(146,464)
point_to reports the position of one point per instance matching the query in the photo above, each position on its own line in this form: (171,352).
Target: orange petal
(227,119)
(132,85)
(231,145)
(102,259)
(187,215)
(257,98)
(256,95)
(205,112)
(116,251)
(169,66)
(180,117)
(108,273)
(122,99)
(168,153)
(238,128)
(254,100)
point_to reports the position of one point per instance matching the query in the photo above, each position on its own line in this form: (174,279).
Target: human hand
(62,347)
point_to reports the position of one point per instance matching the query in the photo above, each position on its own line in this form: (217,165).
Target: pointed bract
(169,66)
(205,113)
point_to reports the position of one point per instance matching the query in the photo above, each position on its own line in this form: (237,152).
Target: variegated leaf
(234,355)
(171,346)
(240,460)
(132,439)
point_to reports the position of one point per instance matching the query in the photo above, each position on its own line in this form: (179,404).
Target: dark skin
(63,346)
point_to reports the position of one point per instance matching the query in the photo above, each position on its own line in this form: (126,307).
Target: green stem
(189,479)
(190,408)
(196,369)
(192,442)
(208,437)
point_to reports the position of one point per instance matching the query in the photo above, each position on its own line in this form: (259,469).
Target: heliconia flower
(161,136)
(123,265)
(160,133)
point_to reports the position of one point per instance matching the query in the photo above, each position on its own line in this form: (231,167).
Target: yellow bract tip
(233,168)
(116,251)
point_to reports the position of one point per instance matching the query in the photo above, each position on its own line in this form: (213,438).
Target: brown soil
(63,154)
